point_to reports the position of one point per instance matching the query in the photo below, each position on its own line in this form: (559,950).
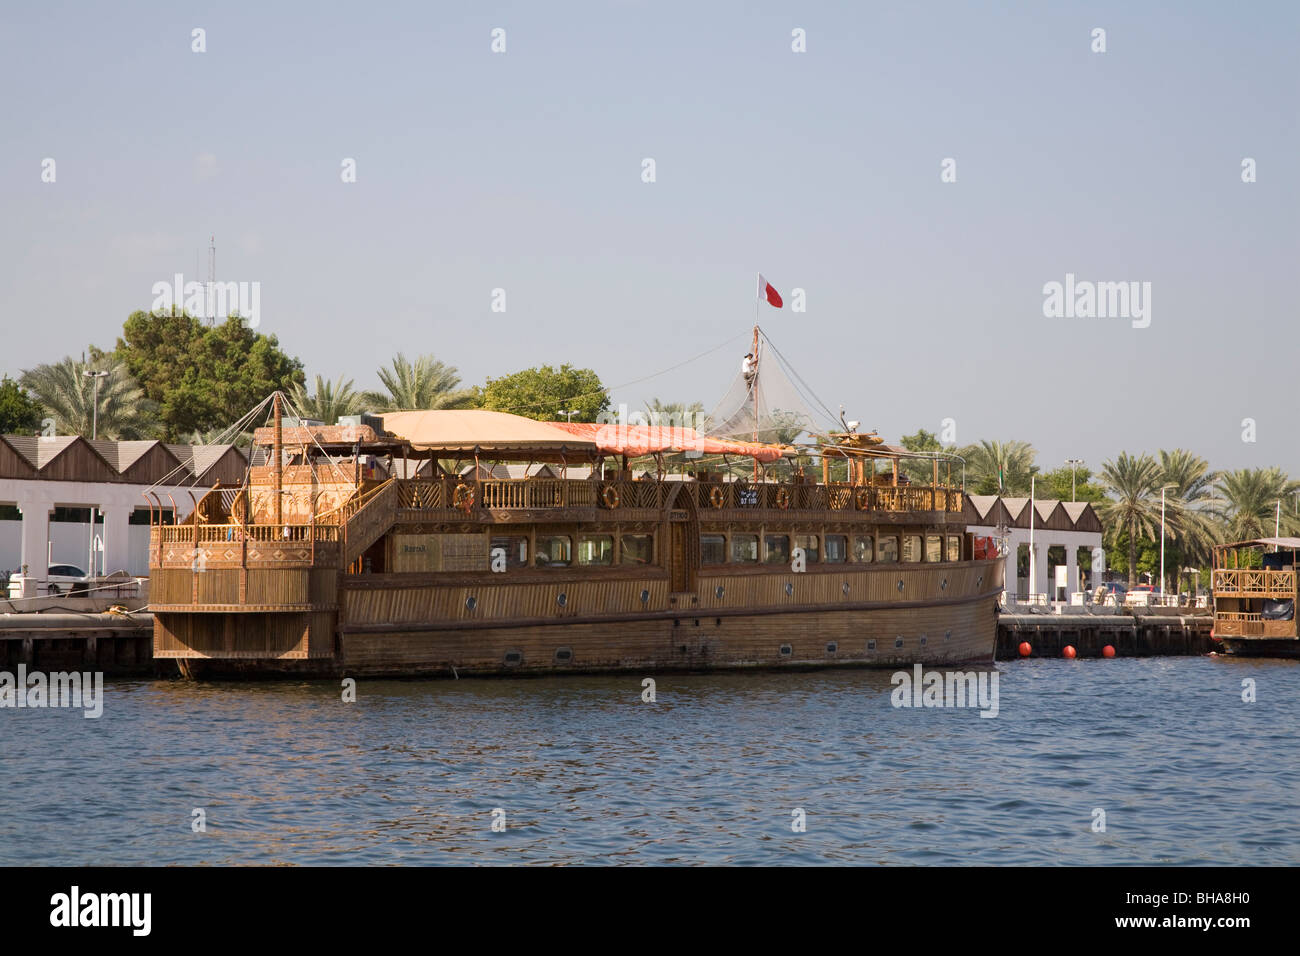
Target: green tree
(329,402)
(1135,484)
(919,471)
(1057,484)
(20,414)
(677,414)
(1194,528)
(1248,501)
(999,468)
(203,376)
(68,395)
(544,392)
(421,385)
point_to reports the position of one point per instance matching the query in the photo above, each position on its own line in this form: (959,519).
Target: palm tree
(1191,483)
(677,414)
(1000,467)
(330,401)
(1248,502)
(424,384)
(69,398)
(1135,483)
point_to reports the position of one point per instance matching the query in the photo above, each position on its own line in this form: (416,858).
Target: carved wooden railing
(1254,581)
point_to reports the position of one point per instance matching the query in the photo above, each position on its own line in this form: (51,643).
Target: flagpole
(758,291)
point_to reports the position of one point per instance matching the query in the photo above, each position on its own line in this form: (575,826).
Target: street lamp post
(94,426)
(94,433)
(1163,489)
(568,416)
(1072,462)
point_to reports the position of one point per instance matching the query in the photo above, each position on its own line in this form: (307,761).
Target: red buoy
(1068,652)
(1108,651)
(1025,649)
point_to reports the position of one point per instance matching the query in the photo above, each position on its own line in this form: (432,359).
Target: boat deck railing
(1254,582)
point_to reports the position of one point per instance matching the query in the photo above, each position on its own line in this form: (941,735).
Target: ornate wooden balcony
(1253,582)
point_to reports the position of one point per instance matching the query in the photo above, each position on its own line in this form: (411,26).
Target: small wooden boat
(1254,588)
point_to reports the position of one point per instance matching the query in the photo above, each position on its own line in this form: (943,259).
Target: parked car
(1144,589)
(1109,590)
(60,579)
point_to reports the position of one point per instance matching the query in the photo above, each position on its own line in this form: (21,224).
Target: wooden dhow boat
(454,543)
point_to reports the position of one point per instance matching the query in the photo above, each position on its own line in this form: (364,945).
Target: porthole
(789,589)
(786,650)
(900,585)
(898,642)
(514,658)
(923,640)
(562,600)
(645,596)
(845,587)
(947,635)
(979,582)
(832,647)
(719,591)
(871,645)
(471,603)
(943,585)
(563,655)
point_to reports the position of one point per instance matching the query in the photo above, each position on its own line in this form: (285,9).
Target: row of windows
(829,549)
(557,550)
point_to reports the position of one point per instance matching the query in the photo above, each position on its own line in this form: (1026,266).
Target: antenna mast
(212,279)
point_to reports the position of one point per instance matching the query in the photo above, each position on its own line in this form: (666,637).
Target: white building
(1068,525)
(49,485)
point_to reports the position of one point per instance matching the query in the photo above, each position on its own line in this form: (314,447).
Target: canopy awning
(637,440)
(1293,543)
(491,434)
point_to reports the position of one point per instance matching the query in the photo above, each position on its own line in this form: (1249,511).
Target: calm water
(587,773)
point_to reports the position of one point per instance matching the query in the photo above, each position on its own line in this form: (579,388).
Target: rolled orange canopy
(637,440)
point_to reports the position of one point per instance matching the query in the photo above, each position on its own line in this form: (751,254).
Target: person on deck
(748,368)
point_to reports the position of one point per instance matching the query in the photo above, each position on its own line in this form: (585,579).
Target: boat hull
(1261,647)
(960,632)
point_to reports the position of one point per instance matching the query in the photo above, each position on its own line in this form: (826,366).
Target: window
(811,549)
(911,548)
(553,551)
(934,547)
(713,549)
(862,548)
(837,548)
(954,547)
(637,549)
(776,548)
(744,548)
(515,547)
(887,549)
(596,549)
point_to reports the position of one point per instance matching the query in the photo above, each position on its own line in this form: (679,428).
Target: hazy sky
(523,171)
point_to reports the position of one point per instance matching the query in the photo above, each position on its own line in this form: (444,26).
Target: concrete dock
(1133,633)
(119,645)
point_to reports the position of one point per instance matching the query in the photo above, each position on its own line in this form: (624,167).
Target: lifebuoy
(782,498)
(717,497)
(463,498)
(862,499)
(610,496)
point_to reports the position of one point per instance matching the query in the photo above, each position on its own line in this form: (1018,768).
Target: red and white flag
(765,291)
